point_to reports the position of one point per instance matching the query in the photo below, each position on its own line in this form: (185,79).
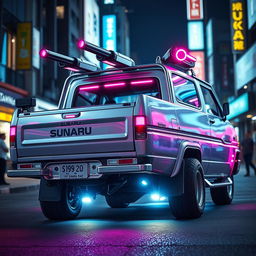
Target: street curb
(9,190)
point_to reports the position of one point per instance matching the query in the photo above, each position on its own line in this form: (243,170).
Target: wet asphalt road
(142,229)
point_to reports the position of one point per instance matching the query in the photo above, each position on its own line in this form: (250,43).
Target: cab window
(185,91)
(211,104)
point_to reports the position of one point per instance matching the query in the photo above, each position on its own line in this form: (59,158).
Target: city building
(243,106)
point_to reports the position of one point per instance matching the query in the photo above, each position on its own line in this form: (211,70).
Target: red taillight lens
(13,130)
(140,127)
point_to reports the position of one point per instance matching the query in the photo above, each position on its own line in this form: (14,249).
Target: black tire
(67,208)
(118,200)
(191,203)
(223,195)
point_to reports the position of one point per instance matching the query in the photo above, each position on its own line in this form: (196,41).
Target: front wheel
(191,203)
(67,208)
(223,195)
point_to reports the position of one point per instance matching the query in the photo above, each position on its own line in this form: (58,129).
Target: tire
(122,200)
(223,195)
(191,203)
(67,208)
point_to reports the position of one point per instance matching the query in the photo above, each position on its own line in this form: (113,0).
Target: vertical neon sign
(109,33)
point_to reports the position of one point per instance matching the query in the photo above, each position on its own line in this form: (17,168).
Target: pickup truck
(125,132)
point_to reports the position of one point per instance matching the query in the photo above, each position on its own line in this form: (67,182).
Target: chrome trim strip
(166,157)
(125,168)
(94,156)
(24,173)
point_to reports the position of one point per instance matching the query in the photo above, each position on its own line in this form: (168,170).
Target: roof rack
(108,57)
(69,63)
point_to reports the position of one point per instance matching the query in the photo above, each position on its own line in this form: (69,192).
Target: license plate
(73,171)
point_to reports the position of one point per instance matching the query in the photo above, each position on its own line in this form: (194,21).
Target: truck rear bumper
(24,173)
(125,168)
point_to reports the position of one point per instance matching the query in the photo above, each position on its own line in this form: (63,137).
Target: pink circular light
(43,53)
(81,44)
(180,54)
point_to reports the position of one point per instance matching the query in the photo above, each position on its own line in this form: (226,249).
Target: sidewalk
(25,184)
(19,185)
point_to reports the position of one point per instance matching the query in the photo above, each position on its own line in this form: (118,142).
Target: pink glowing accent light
(193,100)
(149,81)
(43,53)
(182,55)
(140,120)
(85,88)
(70,116)
(114,84)
(109,63)
(72,69)
(13,131)
(81,44)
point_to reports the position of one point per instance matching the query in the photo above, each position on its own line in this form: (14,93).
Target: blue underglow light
(144,183)
(86,199)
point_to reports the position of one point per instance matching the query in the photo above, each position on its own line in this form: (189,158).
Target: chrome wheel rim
(199,189)
(72,197)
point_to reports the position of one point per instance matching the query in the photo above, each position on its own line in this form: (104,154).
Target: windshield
(115,92)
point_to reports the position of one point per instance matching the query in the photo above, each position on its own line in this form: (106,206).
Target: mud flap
(176,183)
(50,192)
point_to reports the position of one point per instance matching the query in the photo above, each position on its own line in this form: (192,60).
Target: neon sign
(238,26)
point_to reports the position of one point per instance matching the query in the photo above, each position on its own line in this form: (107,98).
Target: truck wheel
(223,195)
(67,208)
(116,201)
(191,203)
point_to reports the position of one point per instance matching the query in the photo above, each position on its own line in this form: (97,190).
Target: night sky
(156,25)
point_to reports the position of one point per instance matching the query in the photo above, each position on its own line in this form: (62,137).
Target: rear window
(115,92)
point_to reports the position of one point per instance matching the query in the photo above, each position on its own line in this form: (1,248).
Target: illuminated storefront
(8,94)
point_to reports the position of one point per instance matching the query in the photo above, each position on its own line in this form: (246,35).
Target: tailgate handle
(70,115)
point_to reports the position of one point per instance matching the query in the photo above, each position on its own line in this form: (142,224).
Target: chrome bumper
(24,173)
(125,168)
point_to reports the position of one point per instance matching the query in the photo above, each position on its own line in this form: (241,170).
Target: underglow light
(140,120)
(89,88)
(71,69)
(114,84)
(81,44)
(181,54)
(43,53)
(155,197)
(87,200)
(109,63)
(144,183)
(162,198)
(149,81)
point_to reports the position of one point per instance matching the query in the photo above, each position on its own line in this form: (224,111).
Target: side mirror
(225,109)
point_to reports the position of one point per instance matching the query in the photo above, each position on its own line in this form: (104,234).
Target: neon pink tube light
(114,84)
(70,116)
(71,69)
(181,54)
(109,63)
(149,81)
(85,88)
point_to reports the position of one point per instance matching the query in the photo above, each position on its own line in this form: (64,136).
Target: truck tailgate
(99,129)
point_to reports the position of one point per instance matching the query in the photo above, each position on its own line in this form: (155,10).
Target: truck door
(220,137)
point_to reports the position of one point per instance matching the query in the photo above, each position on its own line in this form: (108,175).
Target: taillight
(140,127)
(13,131)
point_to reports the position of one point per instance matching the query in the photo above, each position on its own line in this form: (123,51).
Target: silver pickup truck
(125,132)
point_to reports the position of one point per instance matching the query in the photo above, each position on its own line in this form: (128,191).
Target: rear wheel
(223,195)
(192,202)
(67,208)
